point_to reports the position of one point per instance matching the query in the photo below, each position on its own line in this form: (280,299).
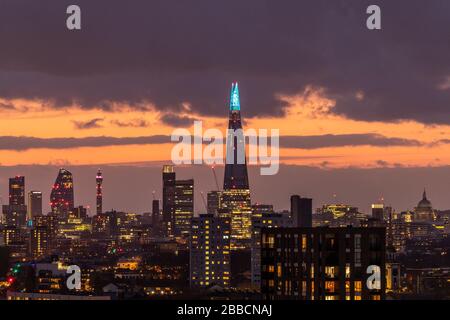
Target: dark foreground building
(321,263)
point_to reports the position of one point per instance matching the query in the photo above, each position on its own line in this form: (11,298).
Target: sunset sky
(344,98)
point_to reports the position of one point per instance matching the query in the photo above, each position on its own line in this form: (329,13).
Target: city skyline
(229,153)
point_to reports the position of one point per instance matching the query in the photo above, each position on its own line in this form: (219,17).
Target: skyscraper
(39,241)
(62,195)
(34,204)
(210,251)
(99,182)
(184,206)
(16,211)
(301,211)
(236,194)
(168,205)
(17,191)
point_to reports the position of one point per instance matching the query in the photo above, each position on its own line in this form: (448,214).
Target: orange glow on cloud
(308,114)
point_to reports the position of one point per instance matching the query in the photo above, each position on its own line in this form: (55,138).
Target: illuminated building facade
(260,210)
(321,263)
(210,251)
(267,219)
(236,193)
(62,195)
(184,206)
(39,241)
(99,194)
(338,215)
(15,212)
(34,204)
(17,191)
(168,205)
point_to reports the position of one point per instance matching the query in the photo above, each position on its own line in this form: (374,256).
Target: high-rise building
(323,263)
(15,215)
(15,212)
(62,195)
(39,241)
(99,197)
(34,204)
(50,222)
(210,251)
(184,206)
(301,211)
(11,235)
(236,193)
(378,211)
(265,218)
(168,201)
(17,191)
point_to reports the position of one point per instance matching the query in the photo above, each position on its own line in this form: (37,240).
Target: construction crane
(215,177)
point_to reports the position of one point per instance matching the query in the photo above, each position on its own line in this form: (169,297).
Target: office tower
(15,215)
(301,211)
(17,191)
(11,235)
(168,205)
(184,206)
(322,263)
(236,193)
(15,212)
(155,218)
(50,222)
(209,251)
(378,211)
(34,204)
(39,241)
(62,195)
(267,219)
(99,198)
(213,202)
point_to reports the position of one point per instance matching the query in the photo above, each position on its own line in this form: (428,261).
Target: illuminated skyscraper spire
(235,102)
(235,198)
(236,176)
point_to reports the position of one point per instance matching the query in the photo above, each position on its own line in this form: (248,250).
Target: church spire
(424,194)
(235,103)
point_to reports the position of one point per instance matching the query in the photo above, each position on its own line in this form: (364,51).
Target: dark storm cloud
(171,52)
(175,120)
(344,140)
(301,142)
(90,124)
(26,143)
(135,123)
